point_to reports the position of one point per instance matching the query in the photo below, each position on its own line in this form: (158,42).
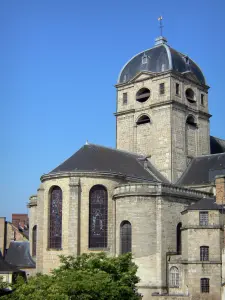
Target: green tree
(89,276)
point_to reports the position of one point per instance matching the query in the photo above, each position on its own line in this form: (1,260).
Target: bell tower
(162,109)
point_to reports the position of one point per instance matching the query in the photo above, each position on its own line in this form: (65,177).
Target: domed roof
(158,59)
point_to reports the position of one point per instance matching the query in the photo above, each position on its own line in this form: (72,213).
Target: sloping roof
(5,267)
(203,169)
(18,254)
(95,158)
(205,204)
(216,145)
(160,58)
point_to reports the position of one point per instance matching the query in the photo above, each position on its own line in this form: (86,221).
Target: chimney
(220,189)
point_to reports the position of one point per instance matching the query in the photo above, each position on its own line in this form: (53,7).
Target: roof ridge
(217,138)
(205,155)
(116,149)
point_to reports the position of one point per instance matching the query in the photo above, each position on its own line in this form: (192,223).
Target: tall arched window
(34,240)
(98,217)
(174,277)
(55,228)
(179,244)
(125,237)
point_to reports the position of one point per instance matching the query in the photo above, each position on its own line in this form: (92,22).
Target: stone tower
(162,109)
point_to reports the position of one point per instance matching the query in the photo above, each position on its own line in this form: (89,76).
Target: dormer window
(186,59)
(144,59)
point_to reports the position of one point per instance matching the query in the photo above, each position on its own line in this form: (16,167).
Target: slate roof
(216,145)
(203,169)
(5,267)
(204,204)
(95,158)
(18,254)
(160,58)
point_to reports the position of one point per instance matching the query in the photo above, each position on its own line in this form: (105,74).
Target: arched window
(125,237)
(143,120)
(174,277)
(179,249)
(34,240)
(98,217)
(191,121)
(55,228)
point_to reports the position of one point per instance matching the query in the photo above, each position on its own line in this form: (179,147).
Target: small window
(174,277)
(124,98)
(203,218)
(143,95)
(190,95)
(191,121)
(143,120)
(162,88)
(204,285)
(202,99)
(34,240)
(177,89)
(204,253)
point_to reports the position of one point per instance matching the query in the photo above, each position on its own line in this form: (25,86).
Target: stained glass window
(98,217)
(125,237)
(55,229)
(34,240)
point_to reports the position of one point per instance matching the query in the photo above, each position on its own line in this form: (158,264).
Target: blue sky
(59,61)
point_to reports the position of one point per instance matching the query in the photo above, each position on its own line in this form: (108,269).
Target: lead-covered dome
(158,59)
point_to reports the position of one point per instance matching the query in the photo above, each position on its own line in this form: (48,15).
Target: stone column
(220,189)
(74,217)
(40,229)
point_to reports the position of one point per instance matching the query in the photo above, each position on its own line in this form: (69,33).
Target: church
(160,194)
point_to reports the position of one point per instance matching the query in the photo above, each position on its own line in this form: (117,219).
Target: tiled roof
(205,204)
(203,169)
(18,254)
(95,158)
(217,145)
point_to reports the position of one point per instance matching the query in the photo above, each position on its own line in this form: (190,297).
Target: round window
(143,95)
(190,95)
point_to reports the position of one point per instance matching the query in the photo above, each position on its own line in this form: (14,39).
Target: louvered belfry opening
(55,228)
(143,95)
(98,217)
(125,237)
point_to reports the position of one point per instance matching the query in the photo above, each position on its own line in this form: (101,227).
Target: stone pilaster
(40,229)
(74,217)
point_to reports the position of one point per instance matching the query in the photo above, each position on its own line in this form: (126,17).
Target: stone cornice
(156,189)
(199,262)
(124,112)
(202,227)
(96,174)
(32,203)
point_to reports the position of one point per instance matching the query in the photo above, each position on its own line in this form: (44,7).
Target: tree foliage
(89,276)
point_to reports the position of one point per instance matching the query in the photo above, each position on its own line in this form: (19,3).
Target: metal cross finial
(160,24)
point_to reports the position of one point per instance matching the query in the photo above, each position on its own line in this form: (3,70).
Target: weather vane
(160,24)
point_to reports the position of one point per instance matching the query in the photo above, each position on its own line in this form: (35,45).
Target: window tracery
(55,228)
